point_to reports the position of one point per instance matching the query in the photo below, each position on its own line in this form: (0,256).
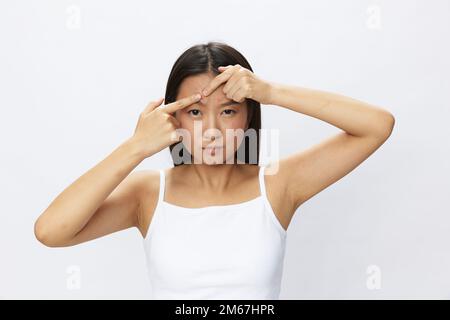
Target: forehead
(195,84)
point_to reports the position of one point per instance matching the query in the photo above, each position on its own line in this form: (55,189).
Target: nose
(211,131)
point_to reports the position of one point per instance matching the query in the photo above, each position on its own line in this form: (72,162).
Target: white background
(72,90)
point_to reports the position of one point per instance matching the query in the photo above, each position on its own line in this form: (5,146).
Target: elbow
(390,123)
(44,235)
(41,233)
(386,125)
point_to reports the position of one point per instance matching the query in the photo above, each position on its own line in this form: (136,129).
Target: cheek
(236,122)
(237,125)
(186,128)
(186,122)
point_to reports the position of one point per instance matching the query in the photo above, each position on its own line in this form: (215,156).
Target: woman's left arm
(365,129)
(301,175)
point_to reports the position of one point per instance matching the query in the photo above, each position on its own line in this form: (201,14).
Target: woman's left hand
(241,83)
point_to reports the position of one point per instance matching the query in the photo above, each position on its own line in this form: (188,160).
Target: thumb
(175,121)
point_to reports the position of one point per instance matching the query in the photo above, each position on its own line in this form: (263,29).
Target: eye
(194,110)
(233,111)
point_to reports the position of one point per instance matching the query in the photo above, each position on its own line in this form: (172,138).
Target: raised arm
(301,175)
(107,198)
(365,128)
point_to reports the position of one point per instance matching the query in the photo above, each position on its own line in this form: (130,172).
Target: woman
(215,225)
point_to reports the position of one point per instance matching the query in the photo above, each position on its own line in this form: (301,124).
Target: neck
(215,177)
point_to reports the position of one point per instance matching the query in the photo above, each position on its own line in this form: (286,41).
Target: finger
(182,103)
(223,68)
(152,105)
(230,94)
(239,95)
(217,81)
(175,121)
(232,84)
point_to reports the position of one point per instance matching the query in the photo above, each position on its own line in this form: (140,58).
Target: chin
(214,160)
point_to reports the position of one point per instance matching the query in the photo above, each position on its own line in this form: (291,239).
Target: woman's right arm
(80,212)
(106,198)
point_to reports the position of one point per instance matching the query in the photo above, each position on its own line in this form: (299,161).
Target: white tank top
(231,251)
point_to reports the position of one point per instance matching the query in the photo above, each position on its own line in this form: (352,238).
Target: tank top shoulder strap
(162,185)
(155,215)
(270,211)
(262,184)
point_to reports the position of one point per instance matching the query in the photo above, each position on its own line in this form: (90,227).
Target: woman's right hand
(156,127)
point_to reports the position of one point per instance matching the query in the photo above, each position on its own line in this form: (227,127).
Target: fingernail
(198,96)
(205,92)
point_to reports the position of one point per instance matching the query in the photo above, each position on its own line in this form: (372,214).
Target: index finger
(182,103)
(217,81)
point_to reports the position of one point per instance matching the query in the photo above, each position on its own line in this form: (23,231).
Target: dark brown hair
(206,58)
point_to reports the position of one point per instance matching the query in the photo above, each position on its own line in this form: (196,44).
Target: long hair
(206,58)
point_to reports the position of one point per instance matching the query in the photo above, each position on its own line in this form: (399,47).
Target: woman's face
(213,121)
